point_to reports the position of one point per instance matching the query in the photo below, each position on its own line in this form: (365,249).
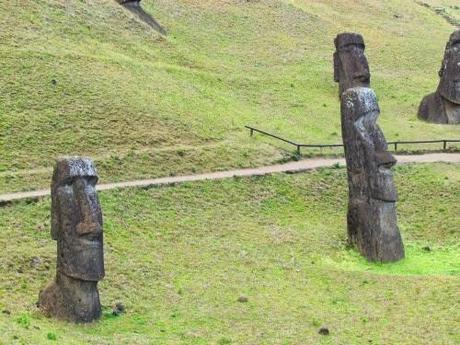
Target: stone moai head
(365,146)
(449,86)
(129,2)
(371,219)
(76,220)
(351,68)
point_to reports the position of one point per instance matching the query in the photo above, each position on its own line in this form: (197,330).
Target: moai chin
(76,225)
(371,220)
(351,68)
(443,106)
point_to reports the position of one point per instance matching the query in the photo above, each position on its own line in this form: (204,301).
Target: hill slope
(179,258)
(86,77)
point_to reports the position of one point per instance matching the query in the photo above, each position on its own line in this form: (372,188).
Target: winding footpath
(291,167)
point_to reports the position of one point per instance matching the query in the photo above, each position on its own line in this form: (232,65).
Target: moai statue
(443,106)
(76,225)
(131,3)
(371,221)
(351,68)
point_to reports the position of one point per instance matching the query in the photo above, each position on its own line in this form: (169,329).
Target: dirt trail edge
(299,166)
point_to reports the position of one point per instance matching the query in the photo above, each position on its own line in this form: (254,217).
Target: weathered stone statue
(129,2)
(76,225)
(351,68)
(372,224)
(443,106)
(135,7)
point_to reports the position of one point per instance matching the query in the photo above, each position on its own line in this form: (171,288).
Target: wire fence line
(298,146)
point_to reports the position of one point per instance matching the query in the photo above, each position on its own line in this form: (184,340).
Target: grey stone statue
(443,106)
(129,2)
(371,221)
(76,225)
(351,68)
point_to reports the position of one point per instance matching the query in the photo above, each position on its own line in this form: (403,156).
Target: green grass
(446,9)
(179,257)
(85,77)
(443,260)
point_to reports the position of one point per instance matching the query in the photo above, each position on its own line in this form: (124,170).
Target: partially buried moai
(351,68)
(127,3)
(443,106)
(76,225)
(371,220)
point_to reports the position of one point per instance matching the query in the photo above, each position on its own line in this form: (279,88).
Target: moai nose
(89,224)
(361,70)
(385,159)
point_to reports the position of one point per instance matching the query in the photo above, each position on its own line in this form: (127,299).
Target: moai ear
(441,70)
(336,67)
(54,219)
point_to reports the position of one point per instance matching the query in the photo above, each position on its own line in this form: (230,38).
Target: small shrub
(24,321)
(51,336)
(315,322)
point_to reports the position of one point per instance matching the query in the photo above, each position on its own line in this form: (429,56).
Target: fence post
(396,146)
(444,147)
(251,132)
(298,150)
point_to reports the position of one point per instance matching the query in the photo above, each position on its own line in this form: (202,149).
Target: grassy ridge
(179,257)
(85,77)
(446,9)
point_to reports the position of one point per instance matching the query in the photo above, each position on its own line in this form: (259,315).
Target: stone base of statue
(436,109)
(373,230)
(71,300)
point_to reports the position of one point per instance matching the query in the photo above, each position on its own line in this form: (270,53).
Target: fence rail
(298,146)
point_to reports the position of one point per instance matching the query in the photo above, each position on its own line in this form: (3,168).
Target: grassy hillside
(86,77)
(449,10)
(179,258)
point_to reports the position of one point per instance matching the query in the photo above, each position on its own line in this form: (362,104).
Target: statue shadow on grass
(135,7)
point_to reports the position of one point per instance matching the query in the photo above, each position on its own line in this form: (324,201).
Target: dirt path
(303,165)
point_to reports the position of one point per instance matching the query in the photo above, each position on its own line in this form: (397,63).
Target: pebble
(119,309)
(242,299)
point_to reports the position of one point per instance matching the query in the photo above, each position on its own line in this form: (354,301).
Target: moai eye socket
(84,181)
(67,182)
(92,180)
